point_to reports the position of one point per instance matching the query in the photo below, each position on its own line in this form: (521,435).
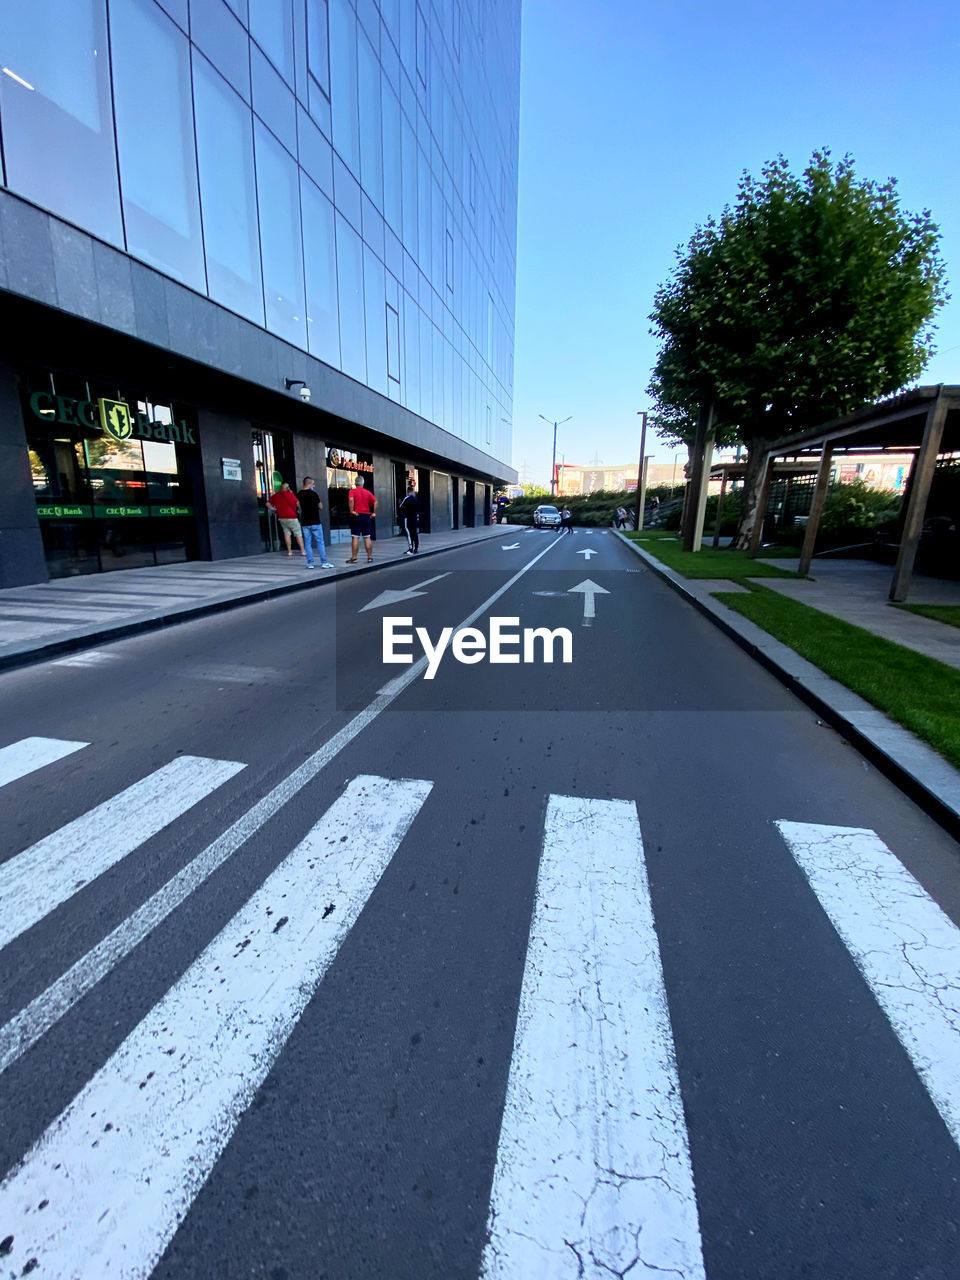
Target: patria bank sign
(113,417)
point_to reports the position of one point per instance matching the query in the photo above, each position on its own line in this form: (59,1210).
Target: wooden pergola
(924,422)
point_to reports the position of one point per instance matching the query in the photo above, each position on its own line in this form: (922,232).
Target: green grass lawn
(707,562)
(948,613)
(917,692)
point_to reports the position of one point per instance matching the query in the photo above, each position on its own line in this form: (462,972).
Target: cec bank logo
(115,419)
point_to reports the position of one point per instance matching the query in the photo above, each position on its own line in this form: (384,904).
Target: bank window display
(112,476)
(343,468)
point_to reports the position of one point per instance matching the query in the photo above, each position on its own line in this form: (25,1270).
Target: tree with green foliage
(810,297)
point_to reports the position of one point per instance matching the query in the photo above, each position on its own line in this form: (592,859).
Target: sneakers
(309,565)
(325,564)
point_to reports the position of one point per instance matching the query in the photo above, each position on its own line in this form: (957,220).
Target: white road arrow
(589,590)
(394,597)
(587,552)
(512,546)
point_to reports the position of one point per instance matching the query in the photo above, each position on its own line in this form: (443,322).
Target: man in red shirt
(363,507)
(285,504)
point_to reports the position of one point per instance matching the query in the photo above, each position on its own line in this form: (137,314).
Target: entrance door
(423,498)
(455,493)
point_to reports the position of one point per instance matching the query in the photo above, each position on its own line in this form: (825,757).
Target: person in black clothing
(310,505)
(409,512)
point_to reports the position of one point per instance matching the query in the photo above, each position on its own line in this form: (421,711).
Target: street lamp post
(553,463)
(642,470)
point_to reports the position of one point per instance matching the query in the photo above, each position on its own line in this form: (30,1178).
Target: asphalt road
(300,1070)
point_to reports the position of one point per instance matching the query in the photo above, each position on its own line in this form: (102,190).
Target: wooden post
(723,490)
(921,478)
(756,534)
(816,509)
(699,479)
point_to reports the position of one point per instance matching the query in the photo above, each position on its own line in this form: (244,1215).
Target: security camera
(305,394)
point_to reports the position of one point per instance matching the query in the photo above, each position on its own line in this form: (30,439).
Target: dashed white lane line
(902,942)
(102,1192)
(29,754)
(35,882)
(593,1174)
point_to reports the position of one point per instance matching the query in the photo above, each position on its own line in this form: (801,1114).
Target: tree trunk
(752,482)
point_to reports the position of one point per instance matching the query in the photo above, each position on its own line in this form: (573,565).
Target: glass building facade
(340,173)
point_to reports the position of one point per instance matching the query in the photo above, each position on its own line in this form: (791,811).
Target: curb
(922,791)
(71,644)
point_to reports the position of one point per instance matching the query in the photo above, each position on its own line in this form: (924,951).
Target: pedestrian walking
(310,506)
(363,507)
(565,519)
(409,520)
(621,519)
(285,504)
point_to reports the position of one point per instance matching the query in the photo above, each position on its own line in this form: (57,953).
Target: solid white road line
(905,946)
(38,880)
(23,757)
(593,1172)
(118,1170)
(25,1028)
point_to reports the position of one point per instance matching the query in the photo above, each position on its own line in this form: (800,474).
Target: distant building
(888,471)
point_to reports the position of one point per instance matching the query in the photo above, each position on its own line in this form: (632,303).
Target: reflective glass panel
(271,25)
(350,291)
(343,82)
(158,163)
(228,193)
(215,30)
(374,304)
(392,188)
(320,269)
(371,162)
(318,43)
(57,112)
(278,190)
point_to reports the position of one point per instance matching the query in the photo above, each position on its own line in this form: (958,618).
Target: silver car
(546,518)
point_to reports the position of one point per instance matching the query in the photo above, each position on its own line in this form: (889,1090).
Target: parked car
(546,518)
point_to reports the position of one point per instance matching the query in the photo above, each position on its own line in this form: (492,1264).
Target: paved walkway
(53,617)
(857,590)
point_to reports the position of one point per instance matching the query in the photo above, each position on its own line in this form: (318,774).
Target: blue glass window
(227,193)
(392,180)
(215,30)
(343,87)
(409,159)
(350,290)
(371,161)
(278,191)
(158,162)
(318,43)
(271,25)
(57,112)
(320,269)
(375,301)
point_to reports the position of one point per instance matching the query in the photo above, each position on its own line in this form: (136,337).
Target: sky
(637,118)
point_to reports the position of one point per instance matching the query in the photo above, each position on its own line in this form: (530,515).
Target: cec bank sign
(113,417)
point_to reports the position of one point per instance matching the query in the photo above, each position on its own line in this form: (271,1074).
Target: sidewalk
(856,591)
(49,618)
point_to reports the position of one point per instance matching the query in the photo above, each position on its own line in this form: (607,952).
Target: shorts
(361,525)
(289,526)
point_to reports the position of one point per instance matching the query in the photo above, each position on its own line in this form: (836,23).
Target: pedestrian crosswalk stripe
(117,1171)
(29,754)
(905,946)
(44,876)
(593,1174)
